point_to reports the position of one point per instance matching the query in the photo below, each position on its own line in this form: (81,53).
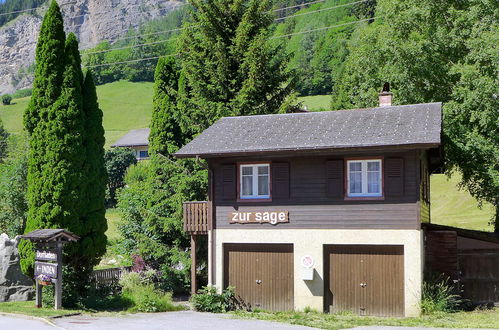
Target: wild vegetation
(7,7)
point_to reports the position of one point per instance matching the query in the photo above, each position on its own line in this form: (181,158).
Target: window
(255,181)
(364,178)
(143,154)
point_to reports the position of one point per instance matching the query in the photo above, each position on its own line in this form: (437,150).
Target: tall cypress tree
(49,67)
(94,240)
(165,136)
(47,84)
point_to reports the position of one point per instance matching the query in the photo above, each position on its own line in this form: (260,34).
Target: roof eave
(308,150)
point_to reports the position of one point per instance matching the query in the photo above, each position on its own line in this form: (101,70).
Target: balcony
(196,218)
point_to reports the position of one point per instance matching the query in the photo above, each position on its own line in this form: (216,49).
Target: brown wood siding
(374,216)
(262,274)
(309,204)
(424,189)
(364,279)
(441,253)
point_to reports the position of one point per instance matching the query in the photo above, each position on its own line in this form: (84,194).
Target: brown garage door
(261,273)
(365,279)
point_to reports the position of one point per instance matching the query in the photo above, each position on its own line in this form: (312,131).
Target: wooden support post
(38,295)
(58,282)
(194,288)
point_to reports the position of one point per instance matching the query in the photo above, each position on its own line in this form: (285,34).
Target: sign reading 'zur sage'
(272,217)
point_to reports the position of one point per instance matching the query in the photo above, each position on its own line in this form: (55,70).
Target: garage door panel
(365,279)
(262,274)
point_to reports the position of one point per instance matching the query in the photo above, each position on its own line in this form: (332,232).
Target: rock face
(92,21)
(14,285)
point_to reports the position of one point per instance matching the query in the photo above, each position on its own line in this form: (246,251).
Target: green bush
(139,290)
(209,300)
(118,160)
(22,93)
(6,99)
(439,295)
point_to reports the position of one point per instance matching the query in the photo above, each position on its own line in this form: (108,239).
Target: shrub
(209,300)
(117,162)
(439,295)
(22,93)
(140,291)
(6,99)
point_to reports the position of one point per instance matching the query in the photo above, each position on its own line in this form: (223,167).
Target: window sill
(365,198)
(254,200)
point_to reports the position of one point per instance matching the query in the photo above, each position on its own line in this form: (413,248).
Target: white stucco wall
(311,241)
(138,150)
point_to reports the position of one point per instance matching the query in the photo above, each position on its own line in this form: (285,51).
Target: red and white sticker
(307,261)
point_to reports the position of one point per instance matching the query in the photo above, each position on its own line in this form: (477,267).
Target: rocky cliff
(92,20)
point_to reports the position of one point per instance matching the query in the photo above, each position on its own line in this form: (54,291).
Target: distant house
(137,140)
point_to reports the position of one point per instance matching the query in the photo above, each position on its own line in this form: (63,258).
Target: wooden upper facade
(382,185)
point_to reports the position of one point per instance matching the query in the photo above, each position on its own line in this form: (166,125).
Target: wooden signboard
(272,217)
(45,268)
(46,255)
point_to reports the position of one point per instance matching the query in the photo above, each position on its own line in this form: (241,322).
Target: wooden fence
(109,275)
(479,270)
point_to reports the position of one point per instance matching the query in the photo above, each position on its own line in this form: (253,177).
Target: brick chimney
(385,97)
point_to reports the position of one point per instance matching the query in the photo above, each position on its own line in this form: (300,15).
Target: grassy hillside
(125,105)
(453,207)
(128,105)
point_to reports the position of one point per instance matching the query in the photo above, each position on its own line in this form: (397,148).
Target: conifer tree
(93,239)
(3,141)
(46,90)
(49,67)
(230,66)
(165,136)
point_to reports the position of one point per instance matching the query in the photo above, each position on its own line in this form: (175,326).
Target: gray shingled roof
(418,124)
(134,138)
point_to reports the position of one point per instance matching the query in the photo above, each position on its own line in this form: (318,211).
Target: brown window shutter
(334,178)
(394,177)
(280,180)
(229,181)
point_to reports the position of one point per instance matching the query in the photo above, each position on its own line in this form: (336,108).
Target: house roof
(134,138)
(409,125)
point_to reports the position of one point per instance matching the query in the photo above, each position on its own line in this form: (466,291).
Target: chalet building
(320,209)
(137,140)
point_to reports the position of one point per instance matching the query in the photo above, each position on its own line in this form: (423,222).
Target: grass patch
(113,218)
(28,308)
(475,319)
(126,106)
(453,207)
(316,102)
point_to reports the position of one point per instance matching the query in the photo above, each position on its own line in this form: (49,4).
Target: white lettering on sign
(272,217)
(43,268)
(46,255)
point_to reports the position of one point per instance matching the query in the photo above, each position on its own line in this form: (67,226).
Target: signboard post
(48,260)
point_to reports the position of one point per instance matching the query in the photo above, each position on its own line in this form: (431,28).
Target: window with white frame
(254,181)
(364,178)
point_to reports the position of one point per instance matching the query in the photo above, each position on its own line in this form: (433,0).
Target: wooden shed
(319,209)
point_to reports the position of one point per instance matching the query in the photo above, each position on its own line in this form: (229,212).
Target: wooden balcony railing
(196,218)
